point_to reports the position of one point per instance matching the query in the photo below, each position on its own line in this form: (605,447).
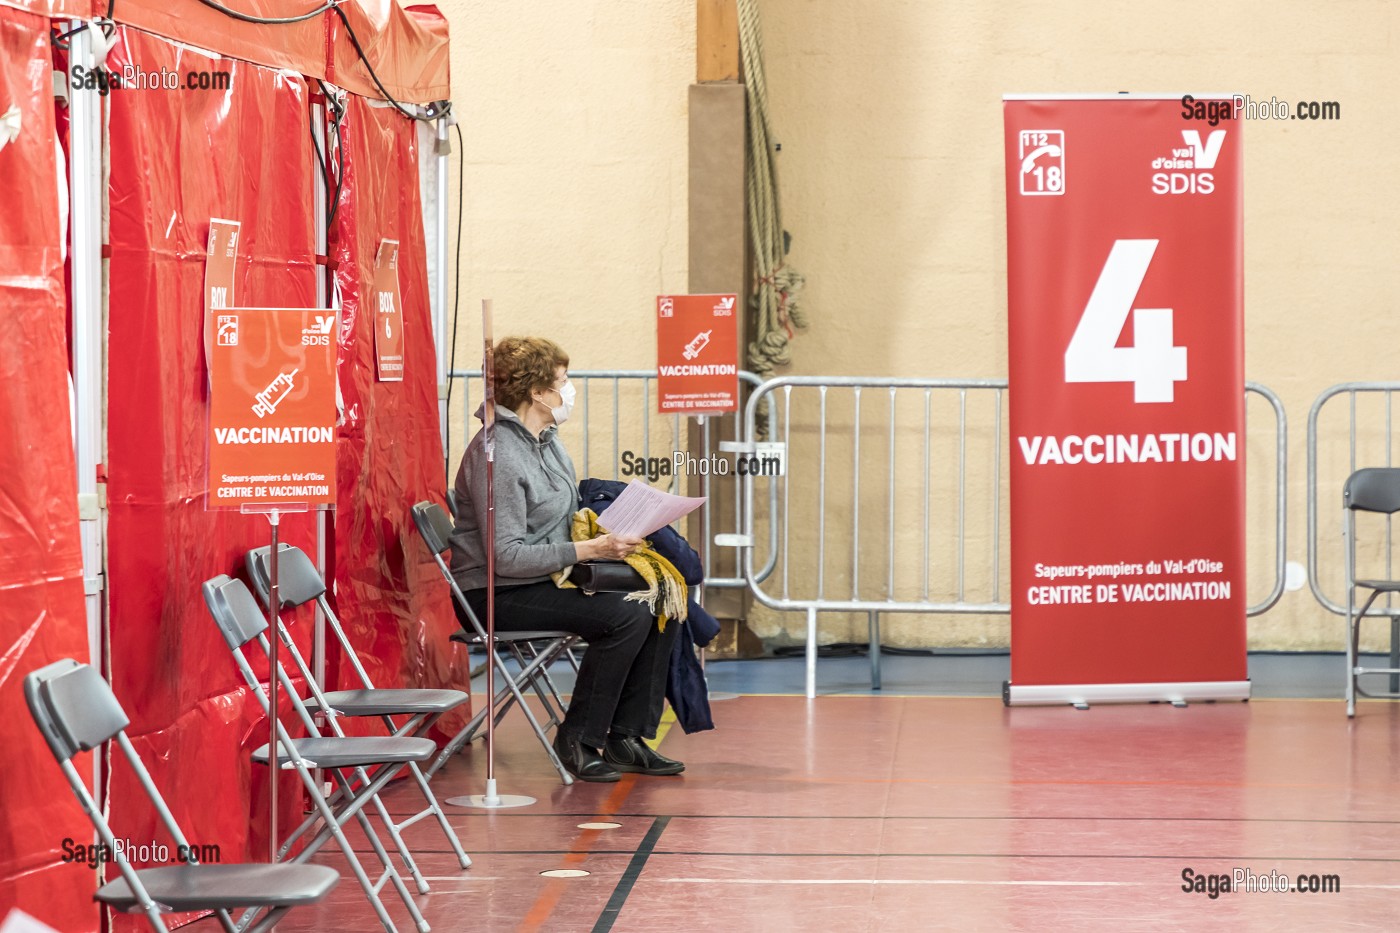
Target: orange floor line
(543,907)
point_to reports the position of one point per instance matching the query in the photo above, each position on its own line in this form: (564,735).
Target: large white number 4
(1151,364)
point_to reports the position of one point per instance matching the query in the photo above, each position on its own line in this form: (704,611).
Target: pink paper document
(642,509)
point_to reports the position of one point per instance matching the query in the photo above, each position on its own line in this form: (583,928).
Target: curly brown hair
(522,365)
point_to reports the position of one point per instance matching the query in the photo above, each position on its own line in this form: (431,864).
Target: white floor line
(1033,884)
(1074,884)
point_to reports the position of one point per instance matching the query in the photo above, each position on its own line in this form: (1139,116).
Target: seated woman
(618,696)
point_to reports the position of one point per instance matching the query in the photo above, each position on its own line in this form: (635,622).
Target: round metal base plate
(500,802)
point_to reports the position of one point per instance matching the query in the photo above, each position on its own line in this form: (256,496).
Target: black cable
(266,20)
(323,162)
(58,38)
(105,23)
(316,143)
(432,112)
(337,118)
(456,279)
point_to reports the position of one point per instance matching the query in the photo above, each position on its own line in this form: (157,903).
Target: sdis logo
(725,308)
(319,333)
(1195,158)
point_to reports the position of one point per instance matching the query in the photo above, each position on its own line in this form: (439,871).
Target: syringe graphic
(692,349)
(265,404)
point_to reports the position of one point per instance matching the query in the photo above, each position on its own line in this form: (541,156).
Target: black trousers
(621,685)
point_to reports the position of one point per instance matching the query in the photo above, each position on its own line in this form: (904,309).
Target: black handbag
(606,576)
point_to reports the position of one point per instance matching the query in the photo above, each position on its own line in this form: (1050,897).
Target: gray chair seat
(388,702)
(335,752)
(1383,586)
(215,887)
(468,639)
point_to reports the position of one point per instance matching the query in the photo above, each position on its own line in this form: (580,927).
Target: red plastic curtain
(42,616)
(387,590)
(408,47)
(53,8)
(177,159)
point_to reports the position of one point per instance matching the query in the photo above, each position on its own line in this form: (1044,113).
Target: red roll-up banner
(1125,295)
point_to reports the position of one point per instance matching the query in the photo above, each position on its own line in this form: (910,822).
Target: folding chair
(241,621)
(533,651)
(76,711)
(1369,490)
(299,583)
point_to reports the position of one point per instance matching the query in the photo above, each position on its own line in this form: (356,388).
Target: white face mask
(566,396)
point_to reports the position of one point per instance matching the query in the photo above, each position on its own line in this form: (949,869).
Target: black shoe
(583,762)
(629,753)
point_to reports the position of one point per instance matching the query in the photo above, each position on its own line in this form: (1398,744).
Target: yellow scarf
(665,594)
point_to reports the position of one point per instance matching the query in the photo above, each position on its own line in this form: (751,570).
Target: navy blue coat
(685,683)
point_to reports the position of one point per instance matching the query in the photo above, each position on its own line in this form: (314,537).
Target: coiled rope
(774,302)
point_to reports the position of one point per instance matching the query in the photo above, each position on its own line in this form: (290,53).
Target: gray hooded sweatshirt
(536,497)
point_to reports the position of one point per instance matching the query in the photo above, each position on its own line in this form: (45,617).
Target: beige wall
(890,121)
(574,117)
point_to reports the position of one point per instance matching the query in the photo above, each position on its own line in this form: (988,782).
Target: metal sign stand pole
(274,518)
(490,800)
(275,759)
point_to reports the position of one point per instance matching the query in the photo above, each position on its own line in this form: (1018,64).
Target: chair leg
(497,706)
(1351,665)
(554,655)
(564,775)
(1354,654)
(390,872)
(332,829)
(534,680)
(271,920)
(535,669)
(354,808)
(436,810)
(874,639)
(412,729)
(154,918)
(454,746)
(419,881)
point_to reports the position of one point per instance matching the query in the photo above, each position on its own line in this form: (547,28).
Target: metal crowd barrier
(1370,443)
(970,515)
(1371,446)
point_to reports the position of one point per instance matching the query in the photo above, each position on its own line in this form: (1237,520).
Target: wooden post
(719,250)
(716,41)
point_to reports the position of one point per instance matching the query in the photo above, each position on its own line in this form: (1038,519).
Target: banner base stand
(491,800)
(1081,696)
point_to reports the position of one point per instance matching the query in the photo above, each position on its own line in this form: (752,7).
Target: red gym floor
(865,813)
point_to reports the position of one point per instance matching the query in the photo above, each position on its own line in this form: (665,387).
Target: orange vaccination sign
(218,274)
(388,313)
(272,408)
(697,354)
